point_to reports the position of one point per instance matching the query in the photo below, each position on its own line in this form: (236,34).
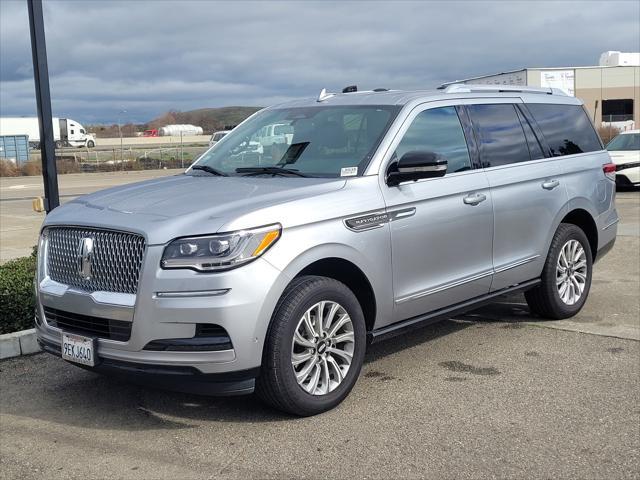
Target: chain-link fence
(127,158)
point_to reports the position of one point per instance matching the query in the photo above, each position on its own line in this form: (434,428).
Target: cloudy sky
(148,57)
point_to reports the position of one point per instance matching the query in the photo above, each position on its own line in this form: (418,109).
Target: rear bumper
(607,234)
(169,377)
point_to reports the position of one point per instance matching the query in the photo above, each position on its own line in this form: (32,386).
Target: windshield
(218,136)
(628,141)
(315,141)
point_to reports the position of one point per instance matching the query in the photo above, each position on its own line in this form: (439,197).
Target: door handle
(474,199)
(550,184)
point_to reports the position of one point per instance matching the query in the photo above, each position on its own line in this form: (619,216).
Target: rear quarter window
(566,128)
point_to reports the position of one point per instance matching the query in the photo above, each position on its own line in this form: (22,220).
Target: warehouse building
(610,90)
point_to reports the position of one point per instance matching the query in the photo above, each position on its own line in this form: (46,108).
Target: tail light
(609,170)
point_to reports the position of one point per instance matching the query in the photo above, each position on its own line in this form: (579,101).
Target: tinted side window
(438,130)
(501,136)
(535,150)
(566,128)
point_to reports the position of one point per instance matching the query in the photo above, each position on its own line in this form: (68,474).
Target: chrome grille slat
(117,259)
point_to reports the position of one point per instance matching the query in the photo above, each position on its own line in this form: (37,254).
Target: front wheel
(91,144)
(566,277)
(314,348)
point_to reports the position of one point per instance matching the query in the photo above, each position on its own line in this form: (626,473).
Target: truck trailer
(66,132)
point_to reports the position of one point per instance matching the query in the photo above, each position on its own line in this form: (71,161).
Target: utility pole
(120,113)
(43,103)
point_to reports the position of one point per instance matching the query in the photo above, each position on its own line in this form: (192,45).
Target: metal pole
(43,103)
(181,151)
(120,134)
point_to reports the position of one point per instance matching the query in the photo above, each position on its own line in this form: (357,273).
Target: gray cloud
(149,57)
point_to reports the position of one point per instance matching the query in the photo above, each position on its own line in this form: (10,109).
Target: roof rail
(473,88)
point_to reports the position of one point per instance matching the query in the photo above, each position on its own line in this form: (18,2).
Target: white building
(609,90)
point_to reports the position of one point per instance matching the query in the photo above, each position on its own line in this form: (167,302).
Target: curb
(18,343)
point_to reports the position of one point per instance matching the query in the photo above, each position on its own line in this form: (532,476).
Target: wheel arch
(353,277)
(584,220)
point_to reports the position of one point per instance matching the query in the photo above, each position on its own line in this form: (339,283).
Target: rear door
(526,188)
(441,228)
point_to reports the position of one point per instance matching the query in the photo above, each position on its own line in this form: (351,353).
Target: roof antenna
(324,95)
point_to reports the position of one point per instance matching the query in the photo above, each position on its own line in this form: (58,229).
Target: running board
(420,321)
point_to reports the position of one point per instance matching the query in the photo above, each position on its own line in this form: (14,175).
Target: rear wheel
(314,349)
(566,277)
(59,144)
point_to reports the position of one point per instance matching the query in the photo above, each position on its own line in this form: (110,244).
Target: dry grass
(8,169)
(607,133)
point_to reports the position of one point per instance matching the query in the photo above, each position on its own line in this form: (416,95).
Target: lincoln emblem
(85,257)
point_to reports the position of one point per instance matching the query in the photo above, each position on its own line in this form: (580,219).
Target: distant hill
(210,119)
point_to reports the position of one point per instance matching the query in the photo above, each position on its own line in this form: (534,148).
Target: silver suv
(271,269)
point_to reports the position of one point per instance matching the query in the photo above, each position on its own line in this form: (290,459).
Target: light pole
(120,134)
(43,103)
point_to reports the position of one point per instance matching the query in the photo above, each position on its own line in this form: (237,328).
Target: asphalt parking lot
(493,394)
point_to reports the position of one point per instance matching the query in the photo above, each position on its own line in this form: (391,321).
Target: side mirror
(416,165)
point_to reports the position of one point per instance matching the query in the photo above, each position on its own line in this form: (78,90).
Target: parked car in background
(275,137)
(387,211)
(625,153)
(217,136)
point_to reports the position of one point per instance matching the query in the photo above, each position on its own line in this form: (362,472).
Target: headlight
(220,251)
(42,256)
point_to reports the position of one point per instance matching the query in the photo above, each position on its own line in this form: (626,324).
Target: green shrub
(17,298)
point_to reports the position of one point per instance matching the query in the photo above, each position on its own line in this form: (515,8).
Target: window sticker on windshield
(348,171)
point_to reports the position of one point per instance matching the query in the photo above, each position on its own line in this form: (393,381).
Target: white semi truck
(66,132)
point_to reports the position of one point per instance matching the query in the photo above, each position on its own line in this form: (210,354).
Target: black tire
(277,385)
(544,300)
(58,144)
(91,144)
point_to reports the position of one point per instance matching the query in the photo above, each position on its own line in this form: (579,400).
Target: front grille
(89,326)
(115,265)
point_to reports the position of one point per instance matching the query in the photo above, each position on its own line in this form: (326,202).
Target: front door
(441,228)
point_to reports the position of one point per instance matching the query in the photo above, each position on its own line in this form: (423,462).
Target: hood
(169,207)
(621,157)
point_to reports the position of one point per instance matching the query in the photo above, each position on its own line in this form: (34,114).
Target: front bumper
(168,305)
(166,377)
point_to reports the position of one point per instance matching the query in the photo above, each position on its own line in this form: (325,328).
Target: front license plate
(78,349)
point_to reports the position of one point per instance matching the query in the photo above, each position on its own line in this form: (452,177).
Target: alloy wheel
(571,272)
(322,349)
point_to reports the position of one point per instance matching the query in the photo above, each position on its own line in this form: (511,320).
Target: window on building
(617,110)
(502,139)
(438,130)
(566,128)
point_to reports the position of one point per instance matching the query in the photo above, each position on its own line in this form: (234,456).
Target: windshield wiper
(271,170)
(208,169)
